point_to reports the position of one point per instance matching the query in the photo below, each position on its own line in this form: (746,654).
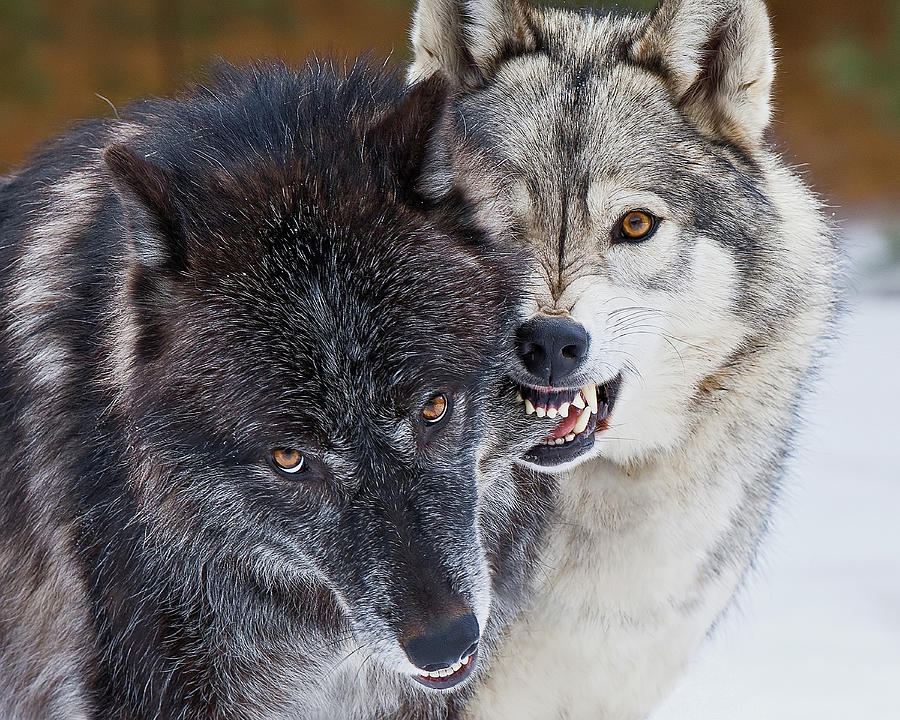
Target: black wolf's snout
(443,643)
(552,348)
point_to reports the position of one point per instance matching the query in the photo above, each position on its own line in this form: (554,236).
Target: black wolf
(254,448)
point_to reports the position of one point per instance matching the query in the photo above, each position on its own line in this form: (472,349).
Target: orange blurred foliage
(58,55)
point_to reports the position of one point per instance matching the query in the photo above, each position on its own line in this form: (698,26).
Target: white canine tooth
(465,660)
(559,441)
(579,402)
(529,407)
(570,437)
(590,393)
(582,422)
(541,412)
(519,396)
(564,410)
(551,412)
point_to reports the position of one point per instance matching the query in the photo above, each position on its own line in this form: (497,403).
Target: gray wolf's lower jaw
(449,677)
(582,411)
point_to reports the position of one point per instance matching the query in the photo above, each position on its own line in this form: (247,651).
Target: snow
(815,634)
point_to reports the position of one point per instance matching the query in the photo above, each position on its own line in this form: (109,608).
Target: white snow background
(815,634)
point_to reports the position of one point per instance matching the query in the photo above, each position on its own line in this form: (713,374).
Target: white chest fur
(638,569)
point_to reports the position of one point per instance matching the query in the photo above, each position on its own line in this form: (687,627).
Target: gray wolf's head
(312,361)
(626,153)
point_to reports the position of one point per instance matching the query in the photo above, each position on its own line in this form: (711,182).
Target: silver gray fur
(564,121)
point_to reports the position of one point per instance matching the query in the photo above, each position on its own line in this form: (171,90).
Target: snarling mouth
(582,411)
(450,676)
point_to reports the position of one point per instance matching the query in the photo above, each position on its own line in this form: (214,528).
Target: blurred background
(817,631)
(838,85)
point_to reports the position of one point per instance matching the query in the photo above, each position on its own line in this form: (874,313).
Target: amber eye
(289,460)
(636,225)
(435,409)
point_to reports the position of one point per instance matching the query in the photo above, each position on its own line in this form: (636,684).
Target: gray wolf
(682,280)
(254,434)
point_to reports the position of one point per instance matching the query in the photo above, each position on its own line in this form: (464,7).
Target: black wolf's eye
(288,460)
(435,409)
(637,225)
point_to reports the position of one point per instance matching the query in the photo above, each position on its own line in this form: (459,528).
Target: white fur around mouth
(446,672)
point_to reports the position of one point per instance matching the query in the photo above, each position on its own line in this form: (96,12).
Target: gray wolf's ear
(719,62)
(154,220)
(466,39)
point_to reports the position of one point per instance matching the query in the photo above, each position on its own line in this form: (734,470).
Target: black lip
(451,681)
(550,456)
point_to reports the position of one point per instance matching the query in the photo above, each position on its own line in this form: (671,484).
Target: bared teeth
(539,402)
(582,422)
(590,394)
(447,671)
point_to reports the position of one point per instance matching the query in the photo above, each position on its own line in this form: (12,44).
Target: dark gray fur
(181,290)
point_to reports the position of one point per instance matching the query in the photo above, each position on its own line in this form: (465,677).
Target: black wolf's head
(309,358)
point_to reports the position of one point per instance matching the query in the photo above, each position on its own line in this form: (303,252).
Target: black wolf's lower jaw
(582,411)
(439,681)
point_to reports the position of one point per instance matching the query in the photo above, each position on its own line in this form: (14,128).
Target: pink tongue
(566,425)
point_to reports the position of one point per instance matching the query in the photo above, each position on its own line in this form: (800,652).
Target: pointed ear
(407,127)
(153,216)
(718,60)
(467,39)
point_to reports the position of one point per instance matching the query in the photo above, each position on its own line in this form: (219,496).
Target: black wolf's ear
(406,129)
(719,62)
(466,39)
(152,212)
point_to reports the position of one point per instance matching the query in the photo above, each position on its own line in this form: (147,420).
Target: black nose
(552,348)
(443,643)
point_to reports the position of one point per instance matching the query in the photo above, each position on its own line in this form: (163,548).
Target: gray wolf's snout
(443,643)
(552,349)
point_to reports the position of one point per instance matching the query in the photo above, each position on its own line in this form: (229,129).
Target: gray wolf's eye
(637,225)
(288,460)
(435,409)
